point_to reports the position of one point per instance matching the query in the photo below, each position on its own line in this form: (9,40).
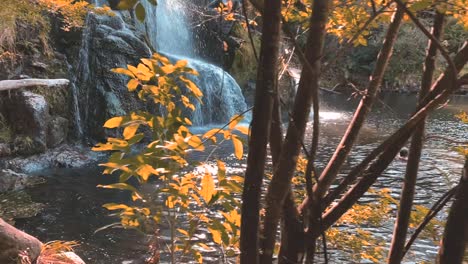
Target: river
(73,203)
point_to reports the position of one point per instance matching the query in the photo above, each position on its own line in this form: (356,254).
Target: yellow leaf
(181,64)
(243,129)
(207,187)
(234,121)
(196,143)
(168,69)
(114,122)
(183,232)
(132,85)
(114,206)
(145,171)
(123,71)
(192,87)
(130,131)
(238,147)
(211,134)
(216,235)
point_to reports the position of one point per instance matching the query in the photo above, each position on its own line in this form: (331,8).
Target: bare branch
(25,83)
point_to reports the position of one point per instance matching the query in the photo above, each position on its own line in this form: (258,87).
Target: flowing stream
(73,203)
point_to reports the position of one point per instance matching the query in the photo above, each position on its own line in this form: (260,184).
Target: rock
(107,43)
(5,150)
(28,114)
(64,156)
(61,258)
(15,244)
(13,181)
(57,131)
(18,205)
(39,65)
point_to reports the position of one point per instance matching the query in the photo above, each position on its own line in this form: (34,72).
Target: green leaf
(140,12)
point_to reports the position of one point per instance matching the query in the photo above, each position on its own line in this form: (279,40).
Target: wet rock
(15,243)
(13,181)
(64,156)
(107,43)
(18,205)
(5,150)
(57,131)
(28,114)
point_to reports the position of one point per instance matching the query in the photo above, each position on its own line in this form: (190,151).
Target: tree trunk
(14,242)
(407,193)
(261,118)
(455,239)
(280,184)
(25,83)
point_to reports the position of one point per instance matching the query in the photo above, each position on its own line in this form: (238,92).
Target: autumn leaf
(207,187)
(238,147)
(114,122)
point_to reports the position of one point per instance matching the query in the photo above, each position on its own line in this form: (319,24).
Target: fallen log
(15,243)
(7,85)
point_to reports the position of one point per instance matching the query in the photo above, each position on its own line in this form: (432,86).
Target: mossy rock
(15,205)
(244,66)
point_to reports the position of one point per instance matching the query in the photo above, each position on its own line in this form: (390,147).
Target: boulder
(107,43)
(16,245)
(13,181)
(28,114)
(5,150)
(64,156)
(57,131)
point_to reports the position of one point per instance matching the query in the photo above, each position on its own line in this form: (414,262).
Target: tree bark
(14,242)
(455,238)
(409,185)
(280,184)
(25,83)
(261,118)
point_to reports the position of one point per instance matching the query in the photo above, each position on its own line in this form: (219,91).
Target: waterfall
(168,28)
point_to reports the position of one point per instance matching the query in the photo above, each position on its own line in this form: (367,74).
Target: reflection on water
(74,204)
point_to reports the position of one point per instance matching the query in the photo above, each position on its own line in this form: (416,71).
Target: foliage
(34,15)
(137,6)
(189,191)
(52,252)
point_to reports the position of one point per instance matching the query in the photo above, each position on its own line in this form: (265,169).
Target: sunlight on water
(332,115)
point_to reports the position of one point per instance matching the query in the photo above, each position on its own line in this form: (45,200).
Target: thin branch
(435,209)
(428,34)
(25,83)
(244,10)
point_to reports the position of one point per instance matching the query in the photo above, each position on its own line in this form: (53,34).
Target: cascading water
(169,31)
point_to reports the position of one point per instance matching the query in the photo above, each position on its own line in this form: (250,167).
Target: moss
(244,67)
(6,132)
(14,205)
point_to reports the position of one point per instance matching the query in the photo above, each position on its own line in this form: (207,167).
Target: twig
(434,40)
(429,216)
(244,10)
